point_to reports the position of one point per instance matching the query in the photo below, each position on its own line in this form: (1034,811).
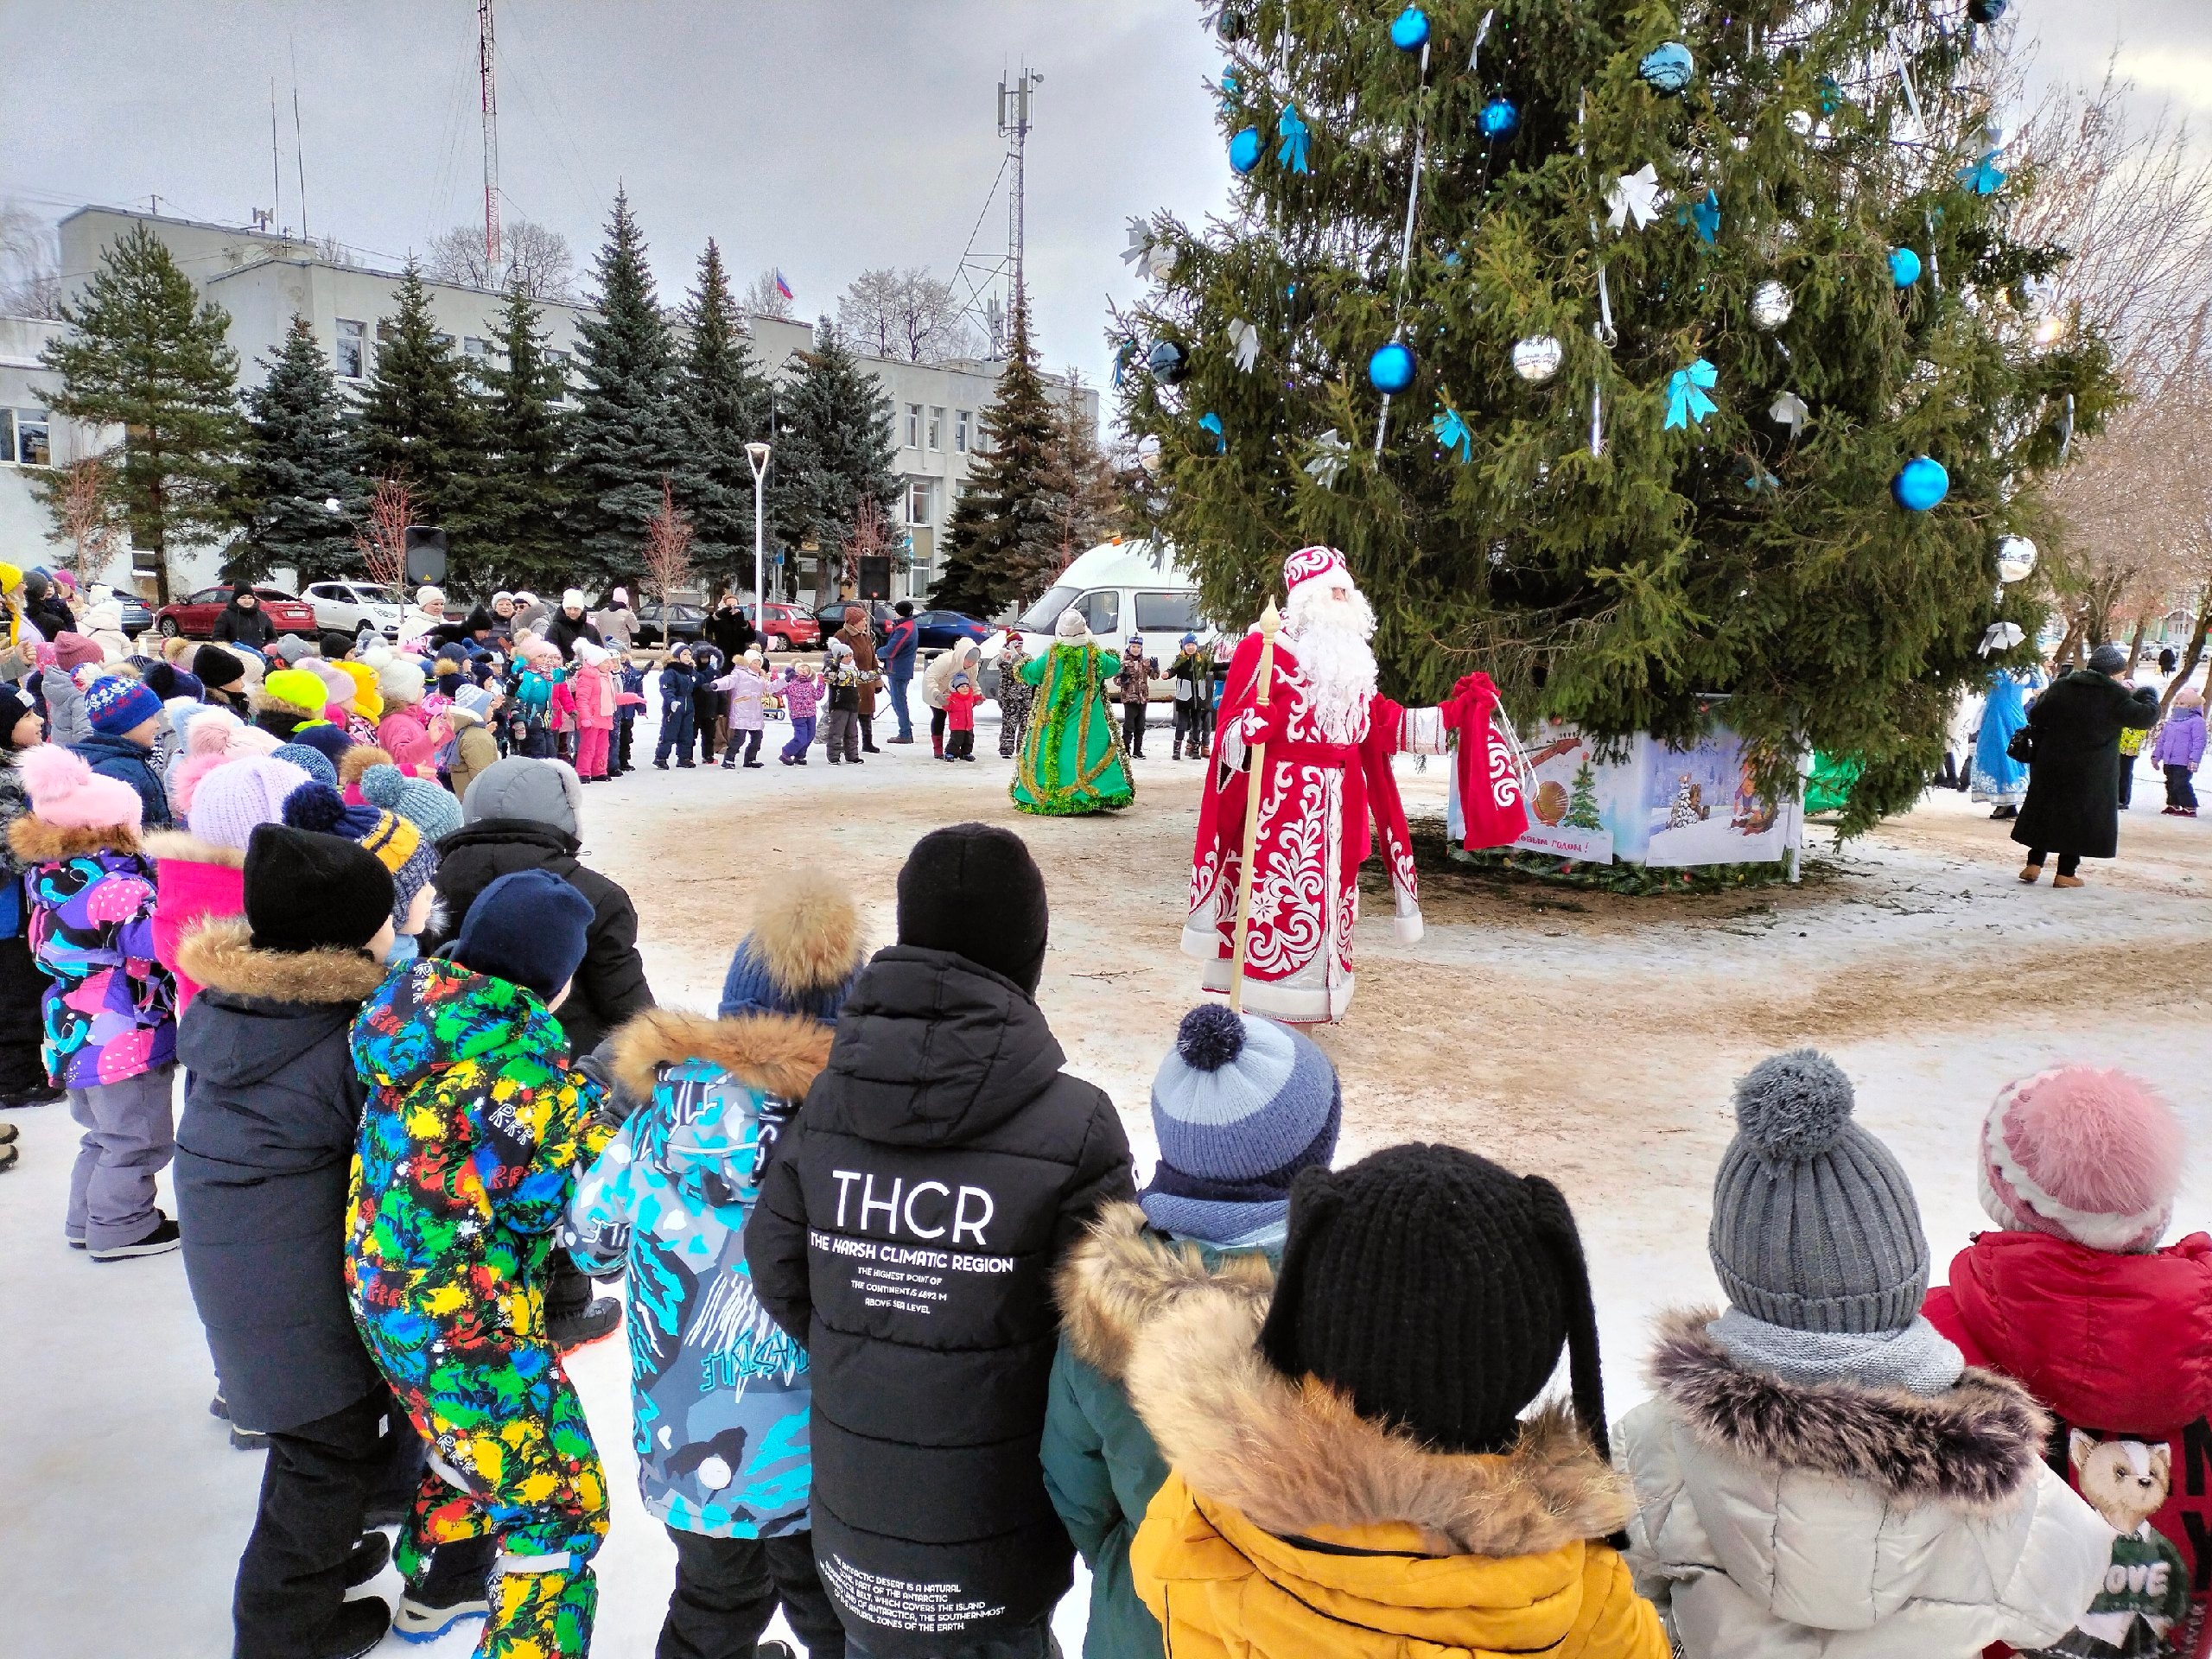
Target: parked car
(356,607)
(788,627)
(137,618)
(194,618)
(687,622)
(831,617)
(941,630)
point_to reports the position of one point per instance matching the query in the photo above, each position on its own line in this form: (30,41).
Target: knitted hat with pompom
(1814,1226)
(1239,1105)
(312,761)
(398,845)
(119,703)
(237,796)
(803,954)
(421,801)
(2088,1155)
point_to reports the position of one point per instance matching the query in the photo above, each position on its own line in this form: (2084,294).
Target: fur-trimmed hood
(221,955)
(1296,1459)
(780,1053)
(158,844)
(36,842)
(1976,1447)
(1121,1275)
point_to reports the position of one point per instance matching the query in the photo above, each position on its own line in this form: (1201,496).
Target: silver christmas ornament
(2016,559)
(1771,305)
(1536,358)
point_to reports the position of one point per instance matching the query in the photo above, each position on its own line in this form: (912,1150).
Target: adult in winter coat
(1820,1475)
(2111,1332)
(569,624)
(45,607)
(966,657)
(900,643)
(271,1110)
(1239,1106)
(860,638)
(1071,760)
(528,815)
(618,623)
(2072,804)
(720,1395)
(242,622)
(2179,750)
(64,696)
(1350,1473)
(727,627)
(23,1081)
(906,1237)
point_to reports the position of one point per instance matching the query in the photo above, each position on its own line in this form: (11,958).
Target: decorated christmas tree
(1582,800)
(1643,356)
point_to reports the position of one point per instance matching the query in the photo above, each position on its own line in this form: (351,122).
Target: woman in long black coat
(243,623)
(2073,804)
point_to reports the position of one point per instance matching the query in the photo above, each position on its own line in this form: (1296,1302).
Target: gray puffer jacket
(66,724)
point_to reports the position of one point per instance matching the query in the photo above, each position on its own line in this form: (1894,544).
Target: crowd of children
(907,1336)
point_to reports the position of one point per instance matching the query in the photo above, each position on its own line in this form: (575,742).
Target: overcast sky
(819,136)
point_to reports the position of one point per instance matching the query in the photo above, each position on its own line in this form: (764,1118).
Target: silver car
(356,607)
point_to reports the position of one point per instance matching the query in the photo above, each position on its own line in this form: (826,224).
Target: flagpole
(1255,780)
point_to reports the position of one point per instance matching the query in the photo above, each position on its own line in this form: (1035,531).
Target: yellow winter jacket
(1290,1527)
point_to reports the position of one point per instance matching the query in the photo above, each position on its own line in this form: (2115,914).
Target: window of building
(937,427)
(917,501)
(31,447)
(961,417)
(913,426)
(352,355)
(445,340)
(476,351)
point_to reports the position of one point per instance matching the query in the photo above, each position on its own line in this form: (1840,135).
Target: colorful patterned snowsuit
(466,1162)
(109,1005)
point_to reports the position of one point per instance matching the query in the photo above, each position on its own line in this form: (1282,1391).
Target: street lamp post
(757,454)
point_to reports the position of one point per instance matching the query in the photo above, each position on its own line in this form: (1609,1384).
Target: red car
(194,618)
(788,627)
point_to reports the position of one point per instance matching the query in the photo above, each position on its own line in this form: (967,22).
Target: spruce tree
(625,436)
(724,402)
(834,450)
(1006,540)
(1832,286)
(418,421)
(519,538)
(143,354)
(298,458)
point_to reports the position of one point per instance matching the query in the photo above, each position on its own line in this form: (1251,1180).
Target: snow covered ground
(1592,1037)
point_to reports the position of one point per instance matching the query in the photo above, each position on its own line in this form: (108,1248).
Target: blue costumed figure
(1999,781)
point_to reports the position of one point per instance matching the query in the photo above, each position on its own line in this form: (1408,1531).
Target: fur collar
(221,955)
(188,848)
(1120,1275)
(1295,1458)
(779,1053)
(37,841)
(1975,1446)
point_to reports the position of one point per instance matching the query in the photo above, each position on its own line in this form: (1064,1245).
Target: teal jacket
(1101,1466)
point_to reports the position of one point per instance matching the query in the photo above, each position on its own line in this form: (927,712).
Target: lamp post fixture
(757,454)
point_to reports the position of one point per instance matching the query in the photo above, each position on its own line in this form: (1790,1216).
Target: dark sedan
(941,630)
(831,617)
(687,622)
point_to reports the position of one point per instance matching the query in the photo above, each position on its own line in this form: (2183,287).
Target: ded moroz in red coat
(2118,1346)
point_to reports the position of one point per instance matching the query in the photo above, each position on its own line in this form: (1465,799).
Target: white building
(262,279)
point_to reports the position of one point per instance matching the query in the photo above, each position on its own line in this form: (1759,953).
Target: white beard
(1331,636)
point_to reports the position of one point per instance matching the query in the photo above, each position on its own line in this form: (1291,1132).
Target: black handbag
(2023,745)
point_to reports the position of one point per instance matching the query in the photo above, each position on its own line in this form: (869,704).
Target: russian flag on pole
(783,286)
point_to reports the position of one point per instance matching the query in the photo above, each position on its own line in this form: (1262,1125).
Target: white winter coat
(746,687)
(966,657)
(1775,1521)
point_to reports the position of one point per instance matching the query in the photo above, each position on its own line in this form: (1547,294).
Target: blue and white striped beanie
(1240,1105)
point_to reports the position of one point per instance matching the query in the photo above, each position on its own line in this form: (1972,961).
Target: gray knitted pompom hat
(1814,1226)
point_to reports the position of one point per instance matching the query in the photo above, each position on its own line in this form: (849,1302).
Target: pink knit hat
(238,795)
(73,651)
(2082,1154)
(66,793)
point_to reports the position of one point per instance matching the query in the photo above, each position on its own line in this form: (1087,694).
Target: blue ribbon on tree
(1705,215)
(1984,177)
(1452,432)
(1122,353)
(1211,423)
(1687,404)
(1292,152)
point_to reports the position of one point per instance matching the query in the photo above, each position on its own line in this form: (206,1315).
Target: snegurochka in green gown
(1071,761)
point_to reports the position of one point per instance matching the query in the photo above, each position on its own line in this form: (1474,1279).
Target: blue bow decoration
(1706,215)
(1293,131)
(1687,404)
(1230,89)
(1452,433)
(1122,353)
(1984,177)
(1211,423)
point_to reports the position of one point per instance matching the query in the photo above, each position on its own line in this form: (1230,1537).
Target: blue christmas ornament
(1667,68)
(1921,483)
(1409,29)
(1391,368)
(1245,150)
(1500,118)
(1905,267)
(1987,11)
(1168,362)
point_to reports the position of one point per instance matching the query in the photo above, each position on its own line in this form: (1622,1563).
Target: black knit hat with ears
(1436,1289)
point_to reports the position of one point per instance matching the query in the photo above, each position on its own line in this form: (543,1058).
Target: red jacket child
(960,705)
(2110,1332)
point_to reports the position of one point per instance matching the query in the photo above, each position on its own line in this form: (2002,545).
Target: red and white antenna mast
(491,141)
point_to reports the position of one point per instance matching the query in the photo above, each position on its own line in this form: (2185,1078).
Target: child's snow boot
(936,745)
(357,1629)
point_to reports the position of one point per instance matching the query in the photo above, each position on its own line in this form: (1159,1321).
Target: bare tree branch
(908,315)
(384,548)
(539,258)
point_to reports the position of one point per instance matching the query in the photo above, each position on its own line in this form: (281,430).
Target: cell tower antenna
(1014,122)
(275,165)
(299,143)
(490,139)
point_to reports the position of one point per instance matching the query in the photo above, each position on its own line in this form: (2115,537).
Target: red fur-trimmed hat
(2088,1155)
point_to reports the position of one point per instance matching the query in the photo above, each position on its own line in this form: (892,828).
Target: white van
(1121,589)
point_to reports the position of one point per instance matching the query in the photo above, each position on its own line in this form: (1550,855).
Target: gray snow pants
(128,1141)
(840,735)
